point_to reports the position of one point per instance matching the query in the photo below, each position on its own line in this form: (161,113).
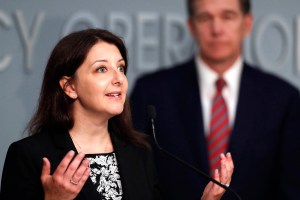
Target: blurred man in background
(216,102)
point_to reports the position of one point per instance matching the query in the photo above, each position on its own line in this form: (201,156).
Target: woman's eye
(101,69)
(121,68)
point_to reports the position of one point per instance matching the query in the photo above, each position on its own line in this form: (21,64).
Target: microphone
(151,111)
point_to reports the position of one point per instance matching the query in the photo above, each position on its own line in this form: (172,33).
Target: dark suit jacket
(23,165)
(265,141)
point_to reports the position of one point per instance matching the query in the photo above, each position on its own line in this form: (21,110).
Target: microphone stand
(186,163)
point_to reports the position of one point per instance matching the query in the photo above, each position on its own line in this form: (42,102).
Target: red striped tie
(218,136)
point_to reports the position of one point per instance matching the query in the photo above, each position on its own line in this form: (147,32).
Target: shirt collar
(208,77)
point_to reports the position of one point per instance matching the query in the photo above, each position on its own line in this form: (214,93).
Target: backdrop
(155,34)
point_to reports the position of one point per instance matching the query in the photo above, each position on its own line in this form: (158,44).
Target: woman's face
(100,84)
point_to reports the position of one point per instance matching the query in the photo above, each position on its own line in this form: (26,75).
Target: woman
(82,145)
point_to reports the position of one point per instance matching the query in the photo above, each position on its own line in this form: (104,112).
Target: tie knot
(220,83)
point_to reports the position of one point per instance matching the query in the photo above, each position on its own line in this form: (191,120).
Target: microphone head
(151,111)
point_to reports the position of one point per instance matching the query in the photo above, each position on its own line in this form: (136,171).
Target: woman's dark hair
(54,106)
(245,6)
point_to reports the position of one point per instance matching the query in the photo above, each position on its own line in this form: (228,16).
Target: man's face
(219,27)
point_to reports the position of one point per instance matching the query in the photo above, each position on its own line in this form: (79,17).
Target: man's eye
(101,69)
(202,18)
(230,16)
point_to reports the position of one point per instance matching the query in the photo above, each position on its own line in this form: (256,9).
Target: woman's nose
(118,77)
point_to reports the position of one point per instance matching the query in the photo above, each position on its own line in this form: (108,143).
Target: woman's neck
(91,138)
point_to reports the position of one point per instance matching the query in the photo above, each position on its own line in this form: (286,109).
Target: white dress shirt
(207,78)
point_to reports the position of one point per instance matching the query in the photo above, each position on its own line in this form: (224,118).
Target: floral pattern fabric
(105,175)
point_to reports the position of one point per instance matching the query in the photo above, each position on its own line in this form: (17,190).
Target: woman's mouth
(114,94)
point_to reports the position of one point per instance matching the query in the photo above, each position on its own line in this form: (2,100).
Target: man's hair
(244,4)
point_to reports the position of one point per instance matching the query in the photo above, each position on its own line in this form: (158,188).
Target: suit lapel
(191,109)
(247,108)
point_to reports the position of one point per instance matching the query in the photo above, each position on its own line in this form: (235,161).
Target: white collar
(208,77)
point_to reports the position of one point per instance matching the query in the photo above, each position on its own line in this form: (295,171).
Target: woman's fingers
(63,165)
(216,189)
(71,169)
(86,172)
(217,175)
(73,166)
(230,162)
(45,170)
(226,169)
(80,174)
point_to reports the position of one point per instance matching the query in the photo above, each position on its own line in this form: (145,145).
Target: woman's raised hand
(68,178)
(214,192)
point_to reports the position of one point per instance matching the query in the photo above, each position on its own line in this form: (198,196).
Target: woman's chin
(115,111)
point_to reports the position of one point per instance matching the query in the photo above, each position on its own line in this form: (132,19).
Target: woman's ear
(67,86)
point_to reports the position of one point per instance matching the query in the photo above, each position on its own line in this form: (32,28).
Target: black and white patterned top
(105,175)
